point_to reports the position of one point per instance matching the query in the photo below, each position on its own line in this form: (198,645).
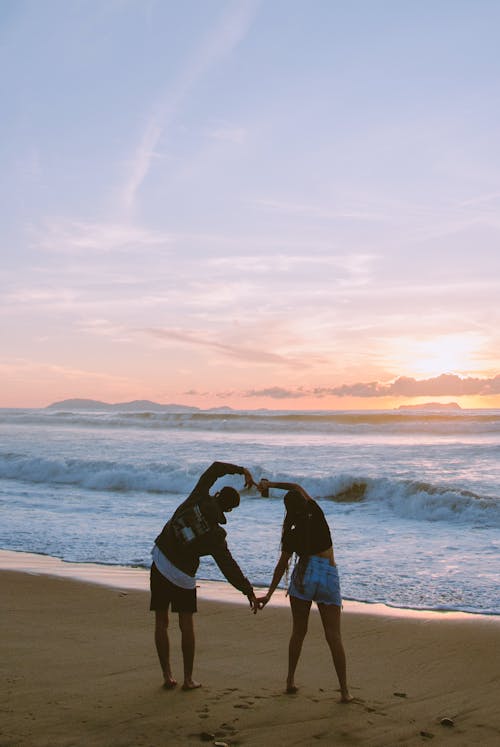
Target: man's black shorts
(164,593)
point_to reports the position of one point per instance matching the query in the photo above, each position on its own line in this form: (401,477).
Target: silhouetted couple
(195,530)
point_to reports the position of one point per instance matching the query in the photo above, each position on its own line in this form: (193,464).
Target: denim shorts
(320,583)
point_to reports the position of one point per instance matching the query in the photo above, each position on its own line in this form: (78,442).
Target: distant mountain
(138,405)
(432,406)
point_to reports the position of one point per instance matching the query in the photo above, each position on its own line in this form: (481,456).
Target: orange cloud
(445,385)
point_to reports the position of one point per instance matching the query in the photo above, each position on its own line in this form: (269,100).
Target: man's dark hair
(228,498)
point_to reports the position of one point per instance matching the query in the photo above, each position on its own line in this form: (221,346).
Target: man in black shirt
(193,531)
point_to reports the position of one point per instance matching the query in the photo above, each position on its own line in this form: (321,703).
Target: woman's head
(298,510)
(295,503)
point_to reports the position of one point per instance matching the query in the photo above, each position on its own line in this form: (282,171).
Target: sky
(274,203)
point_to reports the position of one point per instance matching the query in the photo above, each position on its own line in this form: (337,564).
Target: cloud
(437,386)
(21,368)
(200,339)
(445,385)
(229,133)
(484,199)
(275,392)
(227,34)
(351,212)
(80,236)
(141,162)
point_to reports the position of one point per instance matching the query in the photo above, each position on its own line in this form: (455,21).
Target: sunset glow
(439,354)
(250,204)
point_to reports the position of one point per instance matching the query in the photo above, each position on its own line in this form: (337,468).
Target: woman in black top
(315,578)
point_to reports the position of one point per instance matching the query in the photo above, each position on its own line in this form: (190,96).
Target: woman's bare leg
(300,615)
(163,647)
(330,617)
(188,646)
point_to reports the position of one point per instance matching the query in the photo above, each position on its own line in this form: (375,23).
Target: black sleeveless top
(309,534)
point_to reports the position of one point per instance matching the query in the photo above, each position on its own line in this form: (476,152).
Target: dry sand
(79,668)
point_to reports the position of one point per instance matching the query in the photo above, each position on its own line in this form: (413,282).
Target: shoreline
(137,579)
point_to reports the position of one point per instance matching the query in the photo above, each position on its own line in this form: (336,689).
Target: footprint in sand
(248,702)
(224,733)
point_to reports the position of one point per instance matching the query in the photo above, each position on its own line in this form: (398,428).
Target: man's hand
(249,481)
(253,603)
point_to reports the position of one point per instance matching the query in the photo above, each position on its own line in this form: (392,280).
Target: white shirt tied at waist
(170,571)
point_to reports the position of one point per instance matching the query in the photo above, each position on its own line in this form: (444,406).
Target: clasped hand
(262,601)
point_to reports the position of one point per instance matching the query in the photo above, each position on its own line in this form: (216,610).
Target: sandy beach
(79,668)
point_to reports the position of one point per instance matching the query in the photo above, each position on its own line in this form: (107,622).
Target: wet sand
(79,668)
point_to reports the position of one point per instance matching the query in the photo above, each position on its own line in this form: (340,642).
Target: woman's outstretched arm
(266,484)
(279,570)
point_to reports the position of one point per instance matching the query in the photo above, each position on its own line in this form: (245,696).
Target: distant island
(432,406)
(138,405)
(146,405)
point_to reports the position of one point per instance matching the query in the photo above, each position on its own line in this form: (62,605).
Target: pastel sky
(281,204)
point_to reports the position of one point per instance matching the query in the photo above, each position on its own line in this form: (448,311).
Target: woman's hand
(263,487)
(262,601)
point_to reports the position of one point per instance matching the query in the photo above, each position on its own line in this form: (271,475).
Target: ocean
(412,497)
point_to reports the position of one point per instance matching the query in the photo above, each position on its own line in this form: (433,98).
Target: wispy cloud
(240,352)
(299,270)
(422,222)
(143,157)
(21,367)
(220,41)
(80,236)
(227,132)
(276,392)
(279,260)
(346,212)
(483,199)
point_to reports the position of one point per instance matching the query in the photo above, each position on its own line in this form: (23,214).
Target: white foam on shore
(137,579)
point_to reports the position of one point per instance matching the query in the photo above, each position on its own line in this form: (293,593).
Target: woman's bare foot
(191,684)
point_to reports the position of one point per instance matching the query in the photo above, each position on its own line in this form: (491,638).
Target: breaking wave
(409,499)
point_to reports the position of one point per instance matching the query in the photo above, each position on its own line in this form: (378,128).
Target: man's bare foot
(169,683)
(191,684)
(346,697)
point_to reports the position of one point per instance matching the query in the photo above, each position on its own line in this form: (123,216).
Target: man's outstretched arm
(219,469)
(234,574)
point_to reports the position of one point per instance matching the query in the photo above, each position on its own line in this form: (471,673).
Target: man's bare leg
(186,625)
(330,617)
(163,647)
(300,614)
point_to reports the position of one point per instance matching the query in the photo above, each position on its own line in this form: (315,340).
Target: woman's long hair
(297,513)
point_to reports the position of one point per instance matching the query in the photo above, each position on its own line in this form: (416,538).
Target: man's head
(227,499)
